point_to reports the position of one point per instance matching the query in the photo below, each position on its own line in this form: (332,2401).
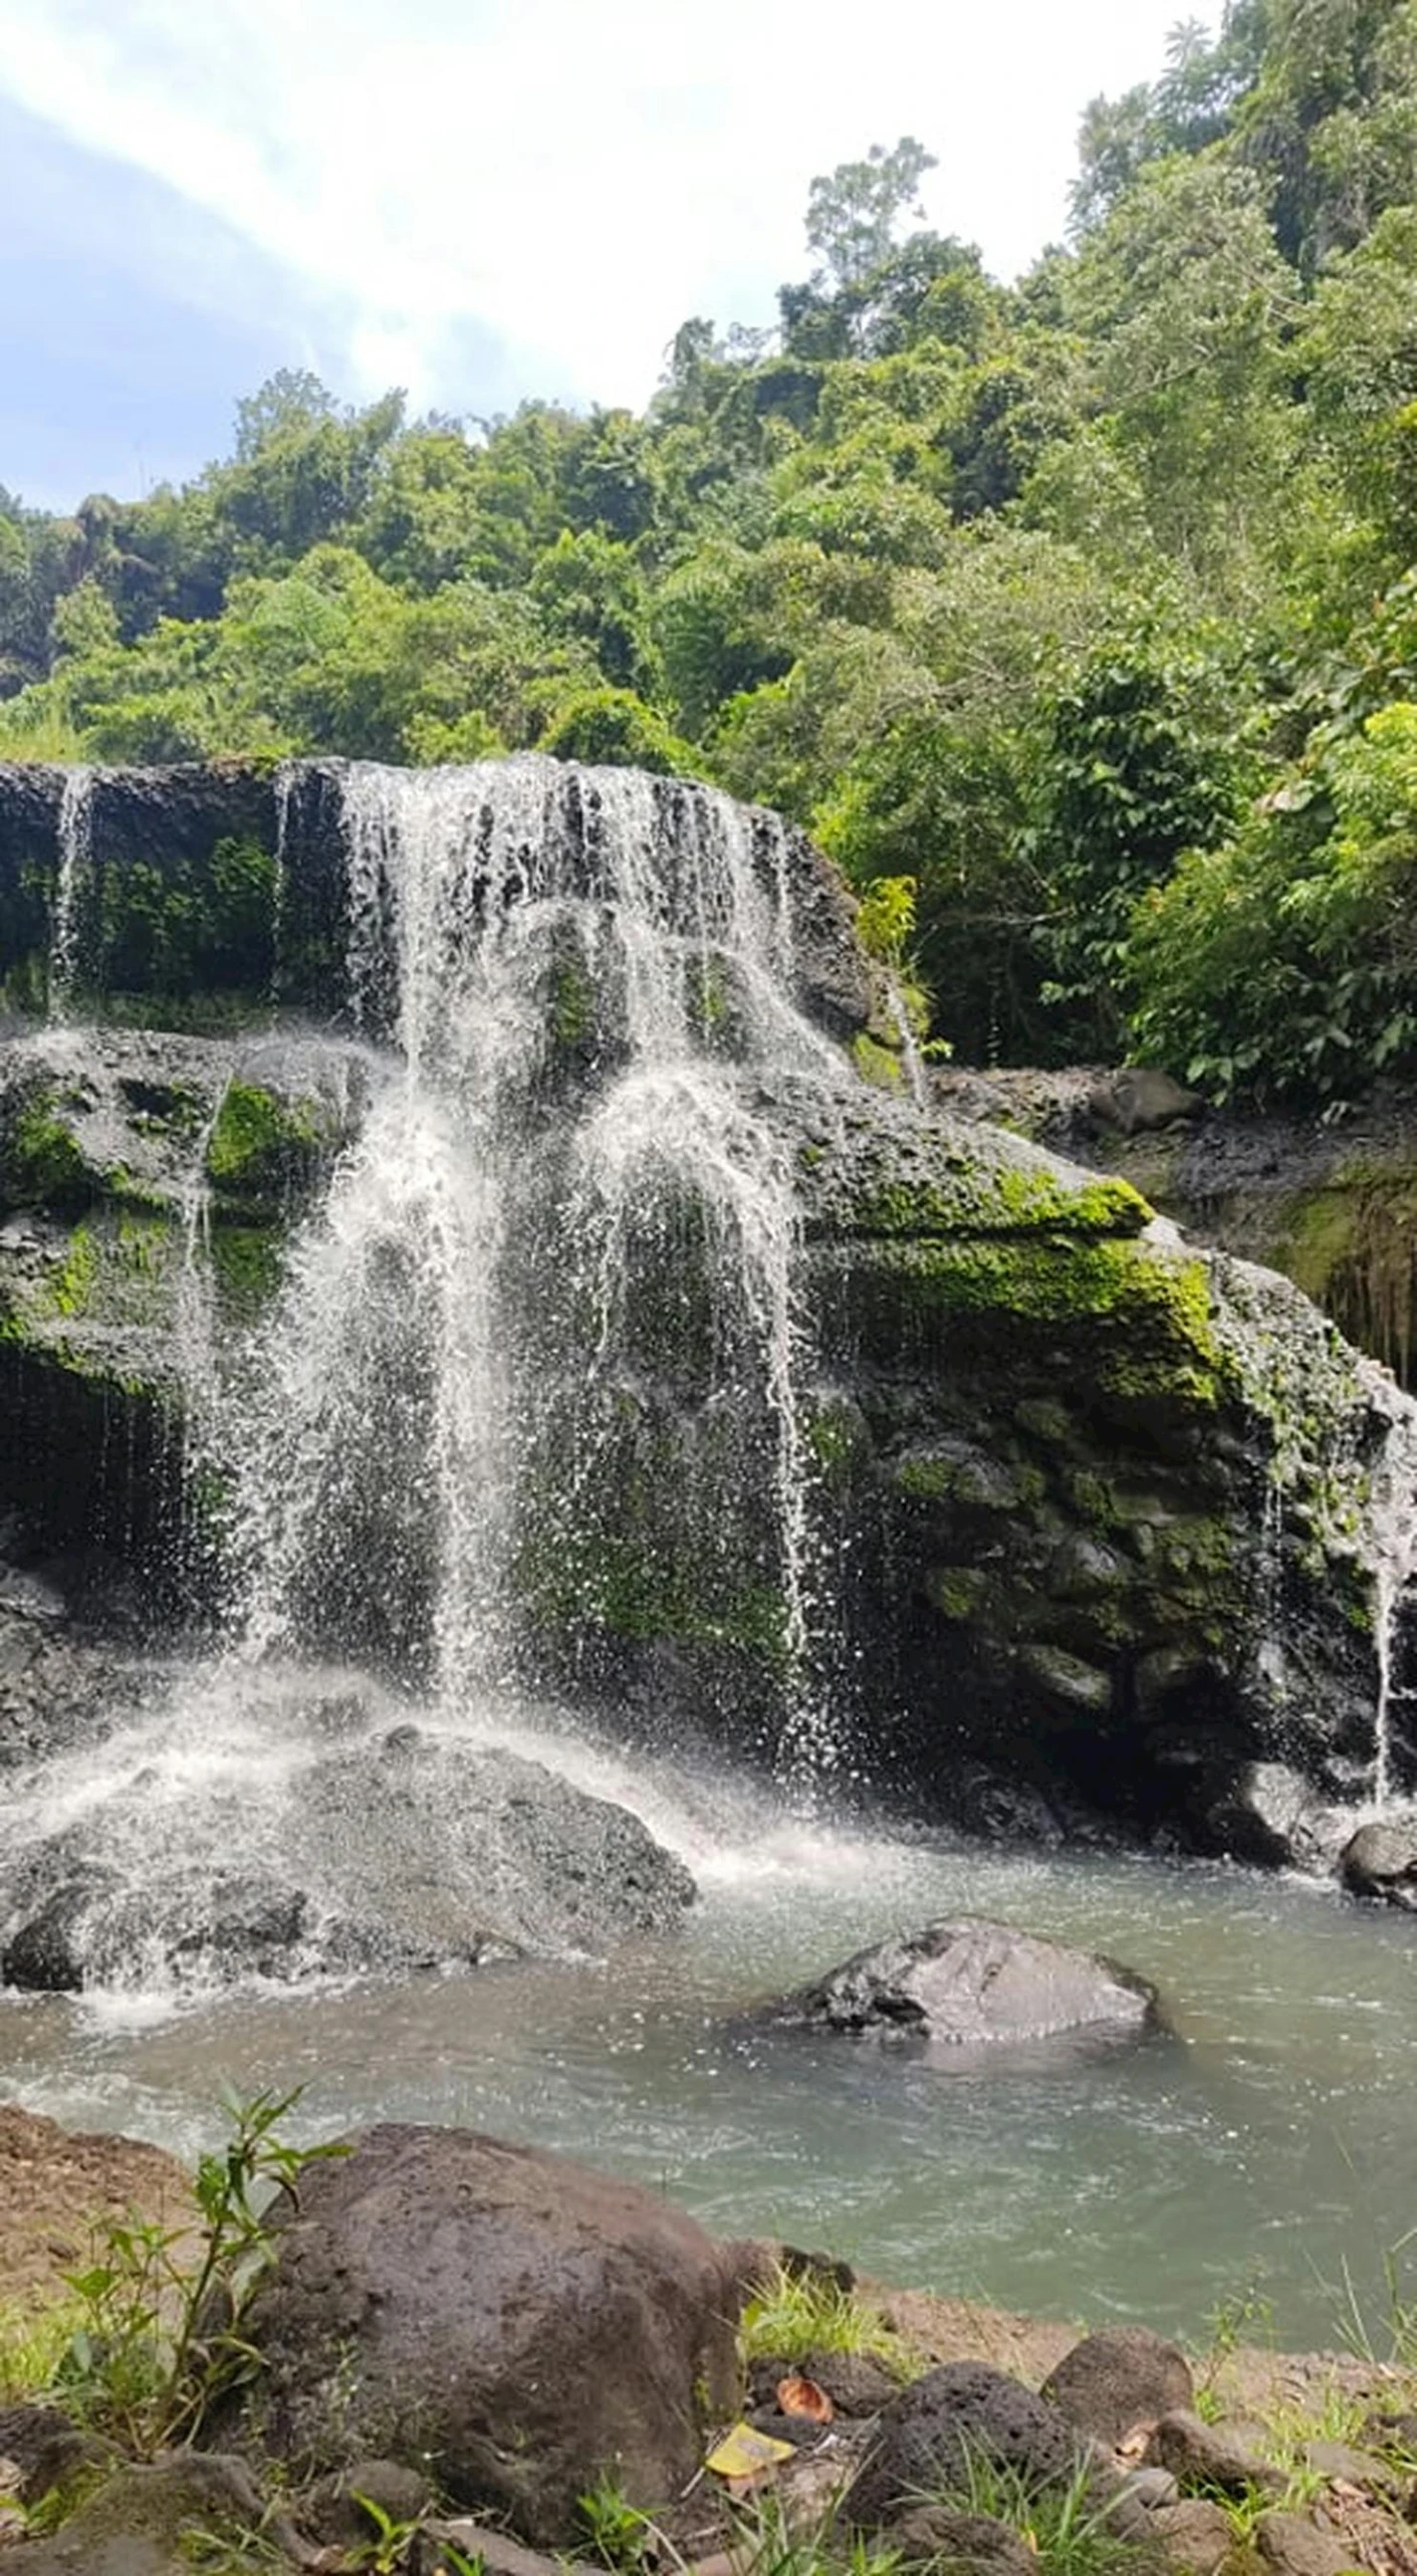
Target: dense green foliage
(1085,604)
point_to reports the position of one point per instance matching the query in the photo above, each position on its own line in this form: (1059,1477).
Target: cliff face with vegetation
(1088,1510)
(1085,605)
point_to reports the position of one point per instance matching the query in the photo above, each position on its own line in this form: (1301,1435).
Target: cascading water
(75,861)
(585,977)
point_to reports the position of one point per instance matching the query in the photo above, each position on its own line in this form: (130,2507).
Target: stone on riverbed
(970,1984)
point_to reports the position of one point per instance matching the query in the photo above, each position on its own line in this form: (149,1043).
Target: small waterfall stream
(75,868)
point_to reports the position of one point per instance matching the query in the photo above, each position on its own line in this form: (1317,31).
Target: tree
(291,399)
(852,214)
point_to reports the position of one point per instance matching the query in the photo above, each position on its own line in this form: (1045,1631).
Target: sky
(479,200)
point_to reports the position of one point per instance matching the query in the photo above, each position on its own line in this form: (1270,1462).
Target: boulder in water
(1267,1813)
(357,1845)
(509,2320)
(1381,1860)
(970,1985)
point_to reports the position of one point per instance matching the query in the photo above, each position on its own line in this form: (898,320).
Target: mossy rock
(42,1163)
(266,1150)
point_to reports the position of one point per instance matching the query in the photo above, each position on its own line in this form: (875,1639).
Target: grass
(33,2342)
(797,2313)
(766,2545)
(1063,2523)
(1390,2338)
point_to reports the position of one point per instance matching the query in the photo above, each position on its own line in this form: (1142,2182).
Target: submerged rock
(970,1985)
(507,2320)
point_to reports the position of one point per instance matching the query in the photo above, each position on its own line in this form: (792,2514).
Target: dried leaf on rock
(798,2395)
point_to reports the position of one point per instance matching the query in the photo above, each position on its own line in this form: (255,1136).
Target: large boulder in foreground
(509,2320)
(970,1984)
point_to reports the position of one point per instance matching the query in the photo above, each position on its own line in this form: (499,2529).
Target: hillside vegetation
(1086,605)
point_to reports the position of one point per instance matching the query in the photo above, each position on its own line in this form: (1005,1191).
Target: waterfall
(75,866)
(576,986)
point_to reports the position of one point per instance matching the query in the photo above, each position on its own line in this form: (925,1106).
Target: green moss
(876,1064)
(41,1161)
(111,1271)
(572,1005)
(72,1290)
(957,1591)
(633,1590)
(262,1147)
(707,995)
(1155,1313)
(1002,1200)
(984,1483)
(834,1436)
(248,1265)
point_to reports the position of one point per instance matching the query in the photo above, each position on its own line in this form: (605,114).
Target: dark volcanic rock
(963,2412)
(971,1984)
(513,2322)
(1209,2456)
(1381,1860)
(1119,2377)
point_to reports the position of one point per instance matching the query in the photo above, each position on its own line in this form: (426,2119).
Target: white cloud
(570,176)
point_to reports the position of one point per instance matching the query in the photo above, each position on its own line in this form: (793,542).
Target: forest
(1075,618)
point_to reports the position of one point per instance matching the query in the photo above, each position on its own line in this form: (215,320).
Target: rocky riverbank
(459,2352)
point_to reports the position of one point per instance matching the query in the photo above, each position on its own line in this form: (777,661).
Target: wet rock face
(1080,1502)
(505,2318)
(221,883)
(972,1986)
